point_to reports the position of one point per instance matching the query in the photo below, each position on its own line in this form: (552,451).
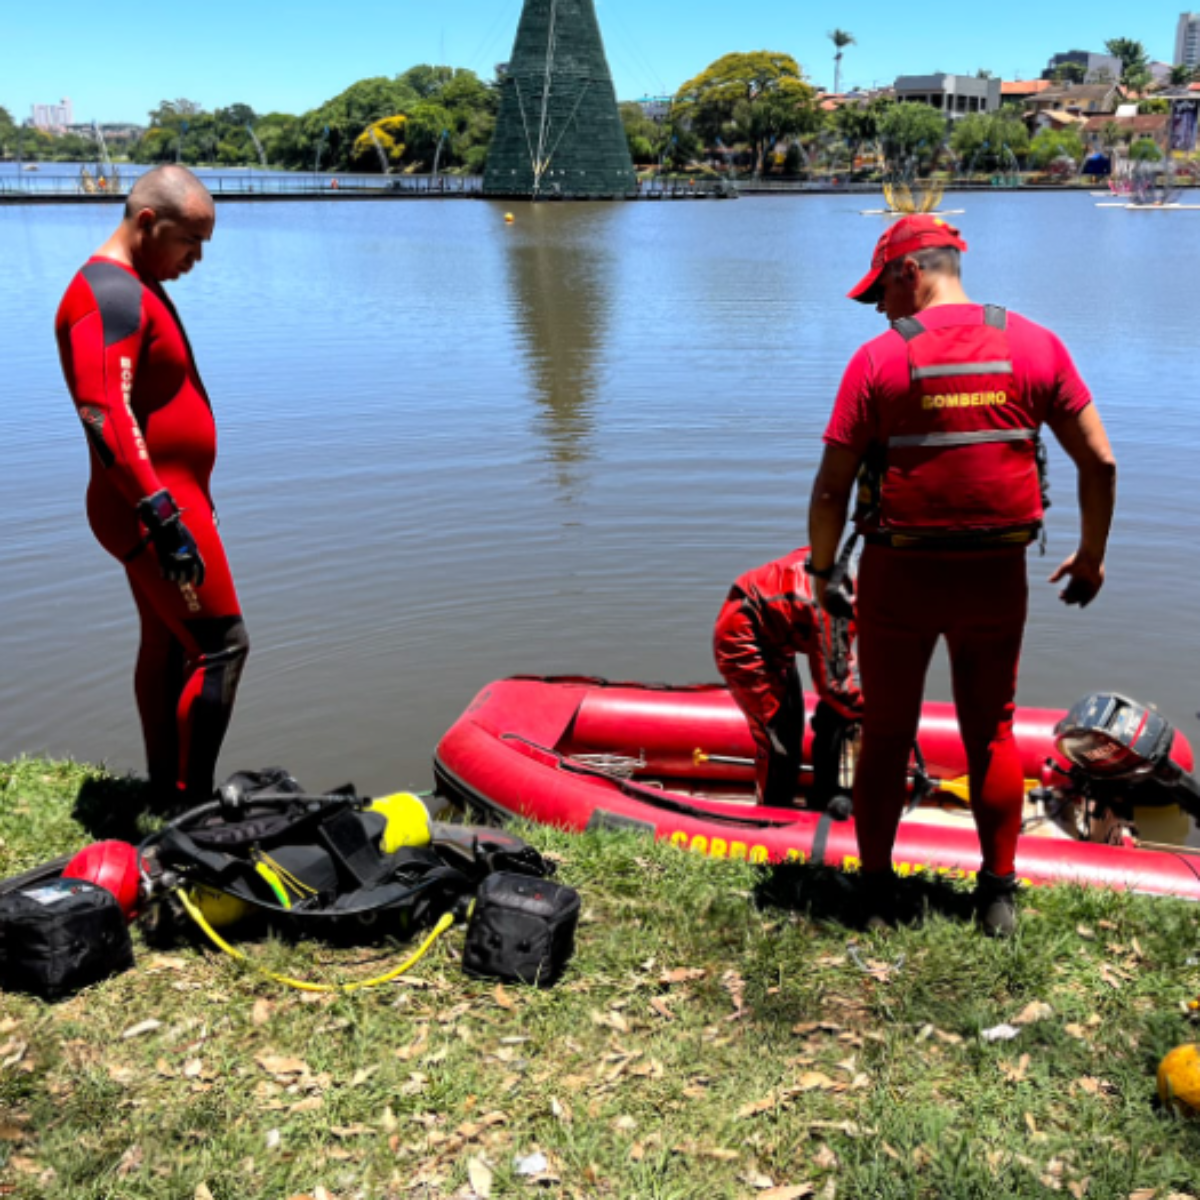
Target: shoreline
(350,192)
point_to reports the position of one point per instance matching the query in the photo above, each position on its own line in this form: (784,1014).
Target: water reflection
(560,264)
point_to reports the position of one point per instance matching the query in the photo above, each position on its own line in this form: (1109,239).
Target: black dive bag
(325,855)
(59,936)
(522,929)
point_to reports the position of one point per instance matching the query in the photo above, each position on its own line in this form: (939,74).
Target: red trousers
(907,600)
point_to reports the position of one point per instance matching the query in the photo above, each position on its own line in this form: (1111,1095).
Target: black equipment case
(522,929)
(60,935)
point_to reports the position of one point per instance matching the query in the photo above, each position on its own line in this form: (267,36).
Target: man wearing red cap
(944,410)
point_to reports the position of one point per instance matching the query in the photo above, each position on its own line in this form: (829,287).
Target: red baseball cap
(906,236)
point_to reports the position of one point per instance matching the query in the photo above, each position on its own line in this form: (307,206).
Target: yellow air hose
(303,985)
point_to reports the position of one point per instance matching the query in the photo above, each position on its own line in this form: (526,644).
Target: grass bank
(701,1044)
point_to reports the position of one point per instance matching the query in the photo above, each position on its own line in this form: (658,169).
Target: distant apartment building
(1187,40)
(53,116)
(656,108)
(1097,68)
(955,95)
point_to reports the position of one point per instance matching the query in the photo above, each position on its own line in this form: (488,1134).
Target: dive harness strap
(821,840)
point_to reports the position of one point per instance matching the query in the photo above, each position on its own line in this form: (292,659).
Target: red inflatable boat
(582,753)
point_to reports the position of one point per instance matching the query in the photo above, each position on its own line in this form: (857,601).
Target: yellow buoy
(509,218)
(407,821)
(1179,1080)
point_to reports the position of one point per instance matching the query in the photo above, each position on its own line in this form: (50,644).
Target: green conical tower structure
(558,132)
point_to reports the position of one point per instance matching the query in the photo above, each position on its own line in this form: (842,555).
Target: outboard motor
(1120,754)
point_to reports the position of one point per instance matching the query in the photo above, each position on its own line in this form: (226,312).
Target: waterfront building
(1131,126)
(1097,68)
(1058,119)
(1187,39)
(54,118)
(1086,98)
(1017,91)
(955,95)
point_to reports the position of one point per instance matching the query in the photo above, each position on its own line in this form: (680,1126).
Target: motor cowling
(1110,739)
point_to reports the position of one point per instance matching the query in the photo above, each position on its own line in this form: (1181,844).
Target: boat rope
(303,985)
(648,795)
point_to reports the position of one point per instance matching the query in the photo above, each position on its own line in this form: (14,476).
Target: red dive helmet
(111,865)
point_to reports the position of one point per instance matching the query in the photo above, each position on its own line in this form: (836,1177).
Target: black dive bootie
(996,904)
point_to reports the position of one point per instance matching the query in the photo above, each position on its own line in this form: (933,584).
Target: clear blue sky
(118,61)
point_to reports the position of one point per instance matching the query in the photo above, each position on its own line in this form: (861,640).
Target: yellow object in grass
(407,821)
(219,908)
(1179,1080)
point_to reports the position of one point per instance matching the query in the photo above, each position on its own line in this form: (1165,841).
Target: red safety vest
(960,452)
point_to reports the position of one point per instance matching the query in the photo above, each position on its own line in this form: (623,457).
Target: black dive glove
(178,555)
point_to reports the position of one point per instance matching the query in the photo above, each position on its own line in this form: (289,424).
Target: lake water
(453,450)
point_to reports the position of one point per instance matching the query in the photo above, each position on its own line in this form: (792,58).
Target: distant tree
(8,134)
(236,114)
(840,39)
(1070,72)
(466,92)
(753,99)
(427,81)
(1111,136)
(427,123)
(1158,104)
(683,146)
(647,138)
(1145,150)
(912,131)
(984,73)
(171,112)
(390,134)
(981,139)
(1135,63)
(1050,144)
(1181,75)
(858,124)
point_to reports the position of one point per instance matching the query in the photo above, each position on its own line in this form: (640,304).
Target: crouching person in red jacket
(771,616)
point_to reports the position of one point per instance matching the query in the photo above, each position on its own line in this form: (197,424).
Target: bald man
(152,442)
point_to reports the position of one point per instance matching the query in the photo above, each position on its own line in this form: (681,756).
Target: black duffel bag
(59,936)
(522,929)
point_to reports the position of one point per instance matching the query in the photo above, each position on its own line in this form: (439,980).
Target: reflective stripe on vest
(961,447)
(944,369)
(965,439)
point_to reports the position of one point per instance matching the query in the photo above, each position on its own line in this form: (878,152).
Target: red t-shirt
(878,374)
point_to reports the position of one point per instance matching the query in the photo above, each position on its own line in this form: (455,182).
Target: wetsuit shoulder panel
(118,298)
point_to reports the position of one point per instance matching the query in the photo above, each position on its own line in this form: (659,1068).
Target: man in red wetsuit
(769,617)
(150,429)
(946,408)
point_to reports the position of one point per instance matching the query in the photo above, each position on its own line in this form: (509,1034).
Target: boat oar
(699,758)
(960,787)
